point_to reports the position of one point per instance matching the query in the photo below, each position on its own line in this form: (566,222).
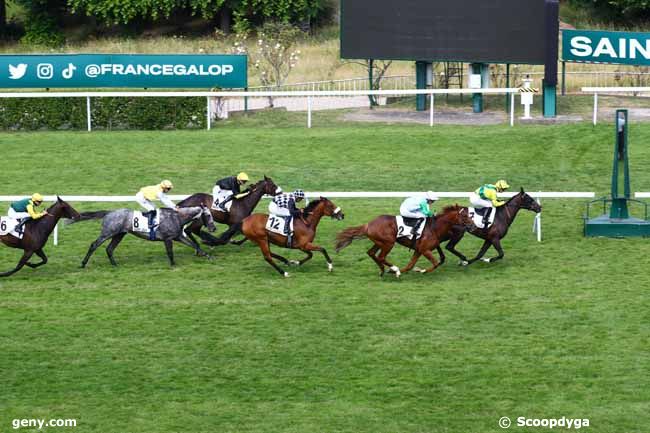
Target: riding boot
(20,226)
(287,229)
(151,215)
(414,233)
(486,219)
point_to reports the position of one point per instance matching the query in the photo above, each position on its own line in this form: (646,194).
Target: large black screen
(486,31)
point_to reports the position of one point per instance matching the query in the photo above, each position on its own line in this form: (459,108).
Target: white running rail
(537,223)
(597,90)
(512,91)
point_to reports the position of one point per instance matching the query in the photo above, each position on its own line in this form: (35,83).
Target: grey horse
(116,224)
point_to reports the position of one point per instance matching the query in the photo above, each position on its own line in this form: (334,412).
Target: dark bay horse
(240,209)
(36,233)
(505,216)
(382,231)
(254,228)
(116,224)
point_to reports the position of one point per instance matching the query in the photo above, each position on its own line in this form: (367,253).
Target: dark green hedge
(27,114)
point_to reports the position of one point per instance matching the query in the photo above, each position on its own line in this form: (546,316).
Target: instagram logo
(45,71)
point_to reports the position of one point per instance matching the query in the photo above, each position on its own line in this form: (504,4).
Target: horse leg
(191,230)
(23,260)
(484,248)
(412,262)
(169,247)
(307,258)
(266,252)
(281,258)
(228,234)
(112,245)
(497,246)
(385,250)
(100,240)
(429,255)
(312,247)
(451,248)
(441,254)
(43,261)
(186,241)
(371,252)
(239,242)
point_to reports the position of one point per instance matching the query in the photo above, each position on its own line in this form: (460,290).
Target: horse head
(65,209)
(527,202)
(332,210)
(270,188)
(206,218)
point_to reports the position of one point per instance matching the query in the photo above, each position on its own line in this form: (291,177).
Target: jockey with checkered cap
(284,205)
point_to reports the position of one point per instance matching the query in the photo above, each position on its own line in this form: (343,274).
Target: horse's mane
(451,208)
(312,205)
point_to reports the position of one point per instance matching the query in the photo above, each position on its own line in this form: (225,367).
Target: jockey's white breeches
(478,202)
(219,195)
(277,210)
(147,204)
(17,215)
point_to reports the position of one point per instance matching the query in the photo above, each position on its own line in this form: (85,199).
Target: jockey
(418,207)
(285,205)
(147,195)
(486,197)
(227,188)
(24,210)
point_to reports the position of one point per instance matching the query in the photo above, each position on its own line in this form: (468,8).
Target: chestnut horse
(36,233)
(382,231)
(254,228)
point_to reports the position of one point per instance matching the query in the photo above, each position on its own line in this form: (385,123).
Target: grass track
(555,329)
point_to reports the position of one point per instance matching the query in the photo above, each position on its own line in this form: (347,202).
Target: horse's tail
(350,234)
(86,216)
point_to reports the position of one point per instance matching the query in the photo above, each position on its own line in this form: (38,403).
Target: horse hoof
(294,262)
(330,267)
(485,260)
(286,275)
(463,263)
(420,270)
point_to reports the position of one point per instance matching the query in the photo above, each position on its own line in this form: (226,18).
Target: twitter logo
(17,72)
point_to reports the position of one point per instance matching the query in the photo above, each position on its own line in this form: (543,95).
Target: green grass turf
(558,328)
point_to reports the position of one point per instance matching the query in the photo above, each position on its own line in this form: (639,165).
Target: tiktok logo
(69,71)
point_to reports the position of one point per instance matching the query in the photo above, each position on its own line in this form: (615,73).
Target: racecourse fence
(600,90)
(537,223)
(309,95)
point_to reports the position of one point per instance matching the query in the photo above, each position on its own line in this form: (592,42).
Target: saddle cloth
(478,217)
(140,223)
(8,227)
(220,207)
(406,231)
(276,223)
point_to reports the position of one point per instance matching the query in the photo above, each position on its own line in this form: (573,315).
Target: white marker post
(527,99)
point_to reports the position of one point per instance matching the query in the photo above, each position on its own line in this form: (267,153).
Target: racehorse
(254,228)
(382,231)
(504,217)
(240,209)
(36,233)
(116,224)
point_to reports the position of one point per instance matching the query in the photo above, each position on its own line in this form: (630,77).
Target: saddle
(282,225)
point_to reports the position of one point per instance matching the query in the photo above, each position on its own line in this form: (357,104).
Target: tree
(617,10)
(3,16)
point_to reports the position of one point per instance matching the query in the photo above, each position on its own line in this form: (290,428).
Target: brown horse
(382,231)
(254,228)
(505,216)
(240,209)
(36,233)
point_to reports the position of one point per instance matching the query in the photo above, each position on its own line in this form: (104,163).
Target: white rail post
(431,112)
(56,234)
(512,109)
(308,111)
(88,119)
(209,114)
(537,223)
(595,108)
